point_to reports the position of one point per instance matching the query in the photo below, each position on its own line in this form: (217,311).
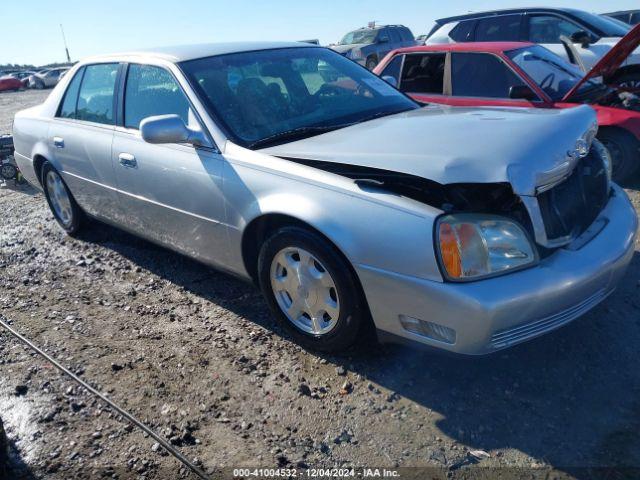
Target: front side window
(498,29)
(274,96)
(393,69)
(394,35)
(68,107)
(423,73)
(554,75)
(152,91)
(481,75)
(549,29)
(95,101)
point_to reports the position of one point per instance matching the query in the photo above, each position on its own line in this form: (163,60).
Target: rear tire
(330,309)
(372,62)
(61,202)
(624,150)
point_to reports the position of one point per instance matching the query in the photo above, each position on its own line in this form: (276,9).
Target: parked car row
(40,79)
(353,206)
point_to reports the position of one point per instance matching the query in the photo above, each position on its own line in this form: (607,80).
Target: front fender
(364,228)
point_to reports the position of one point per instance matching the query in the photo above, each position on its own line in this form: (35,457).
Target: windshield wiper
(292,135)
(306,132)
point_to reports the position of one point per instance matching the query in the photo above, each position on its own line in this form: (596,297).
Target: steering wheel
(547,81)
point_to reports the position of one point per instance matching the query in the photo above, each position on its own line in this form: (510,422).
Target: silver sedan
(348,204)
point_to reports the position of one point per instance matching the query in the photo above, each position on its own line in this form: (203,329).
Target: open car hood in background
(612,61)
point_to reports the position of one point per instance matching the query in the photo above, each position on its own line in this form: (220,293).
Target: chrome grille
(506,338)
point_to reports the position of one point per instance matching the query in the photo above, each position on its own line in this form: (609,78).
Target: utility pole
(66,49)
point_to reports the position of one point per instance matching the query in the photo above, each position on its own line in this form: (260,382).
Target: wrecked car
(514,74)
(349,204)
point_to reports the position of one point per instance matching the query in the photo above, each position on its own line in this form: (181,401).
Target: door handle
(58,142)
(127,160)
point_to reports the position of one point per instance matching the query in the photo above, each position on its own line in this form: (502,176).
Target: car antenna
(66,49)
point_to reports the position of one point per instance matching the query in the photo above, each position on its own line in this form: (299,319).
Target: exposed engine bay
(621,99)
(493,198)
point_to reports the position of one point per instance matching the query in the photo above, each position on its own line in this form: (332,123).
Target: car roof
(507,11)
(492,47)
(183,53)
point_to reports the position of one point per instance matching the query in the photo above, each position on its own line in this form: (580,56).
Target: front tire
(311,290)
(624,150)
(62,204)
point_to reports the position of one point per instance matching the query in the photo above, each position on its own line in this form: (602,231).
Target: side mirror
(581,37)
(390,80)
(522,92)
(169,129)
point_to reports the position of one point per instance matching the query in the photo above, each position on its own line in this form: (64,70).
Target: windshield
(269,94)
(359,36)
(554,75)
(607,26)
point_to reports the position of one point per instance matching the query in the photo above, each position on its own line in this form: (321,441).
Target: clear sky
(31,31)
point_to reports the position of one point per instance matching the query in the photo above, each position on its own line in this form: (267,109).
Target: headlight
(473,246)
(356,54)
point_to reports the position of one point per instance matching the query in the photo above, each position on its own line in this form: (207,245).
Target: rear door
(82,134)
(170,193)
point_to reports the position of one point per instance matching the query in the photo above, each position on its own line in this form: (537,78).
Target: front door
(170,193)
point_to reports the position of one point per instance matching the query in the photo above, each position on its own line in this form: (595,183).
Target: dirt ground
(195,354)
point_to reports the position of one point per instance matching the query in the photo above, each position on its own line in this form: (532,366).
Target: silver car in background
(468,230)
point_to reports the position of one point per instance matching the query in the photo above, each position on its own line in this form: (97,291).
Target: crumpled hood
(456,145)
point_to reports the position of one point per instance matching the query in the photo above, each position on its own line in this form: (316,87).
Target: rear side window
(393,69)
(481,75)
(95,102)
(423,73)
(498,29)
(463,32)
(635,18)
(152,91)
(68,107)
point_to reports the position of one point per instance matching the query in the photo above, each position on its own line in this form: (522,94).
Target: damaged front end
(567,199)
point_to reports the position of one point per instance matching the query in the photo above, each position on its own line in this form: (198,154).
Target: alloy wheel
(305,291)
(59,197)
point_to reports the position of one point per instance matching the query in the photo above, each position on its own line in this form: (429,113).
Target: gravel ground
(195,354)
(13,102)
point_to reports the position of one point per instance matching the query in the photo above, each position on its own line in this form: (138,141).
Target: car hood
(524,147)
(612,61)
(346,48)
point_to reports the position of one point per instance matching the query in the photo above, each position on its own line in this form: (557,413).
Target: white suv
(595,34)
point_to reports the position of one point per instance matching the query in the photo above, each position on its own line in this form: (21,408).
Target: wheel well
(38,162)
(623,131)
(261,228)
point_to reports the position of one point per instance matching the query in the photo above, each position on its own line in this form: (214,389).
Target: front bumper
(492,314)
